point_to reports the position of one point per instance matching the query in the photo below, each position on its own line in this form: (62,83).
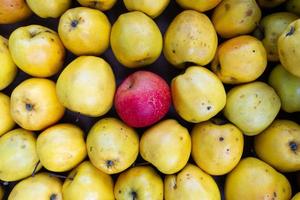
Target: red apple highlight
(142,99)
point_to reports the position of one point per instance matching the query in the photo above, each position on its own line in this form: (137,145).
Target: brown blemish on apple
(291,32)
(91,148)
(53,197)
(221,139)
(181,138)
(227,6)
(249,12)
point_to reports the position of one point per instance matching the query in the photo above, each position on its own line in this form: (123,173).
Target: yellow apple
(84,31)
(190,38)
(140,182)
(252,107)
(236,17)
(239,60)
(166,145)
(49,8)
(278,145)
(8,69)
(102,5)
(288,43)
(254,179)
(217,148)
(87,85)
(18,155)
(61,147)
(87,182)
(199,5)
(136,40)
(149,7)
(40,187)
(112,145)
(189,184)
(12,11)
(37,50)
(198,94)
(296,196)
(34,104)
(6,120)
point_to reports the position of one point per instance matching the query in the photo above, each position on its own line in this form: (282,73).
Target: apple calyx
(74,23)
(109,163)
(29,107)
(134,195)
(53,197)
(293,146)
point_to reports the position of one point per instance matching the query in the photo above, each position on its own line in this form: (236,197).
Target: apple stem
(60,176)
(140,164)
(35,168)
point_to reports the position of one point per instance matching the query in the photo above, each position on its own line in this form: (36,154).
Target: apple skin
(142,99)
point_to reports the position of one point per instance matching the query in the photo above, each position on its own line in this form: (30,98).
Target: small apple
(49,8)
(142,99)
(86,182)
(12,11)
(41,186)
(6,120)
(61,147)
(37,50)
(102,5)
(84,31)
(18,155)
(34,104)
(8,69)
(112,145)
(141,182)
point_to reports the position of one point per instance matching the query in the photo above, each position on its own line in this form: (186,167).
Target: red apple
(142,99)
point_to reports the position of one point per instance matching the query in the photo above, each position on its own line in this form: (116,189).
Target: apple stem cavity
(293,145)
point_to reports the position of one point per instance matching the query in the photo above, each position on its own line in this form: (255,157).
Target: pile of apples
(149,100)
